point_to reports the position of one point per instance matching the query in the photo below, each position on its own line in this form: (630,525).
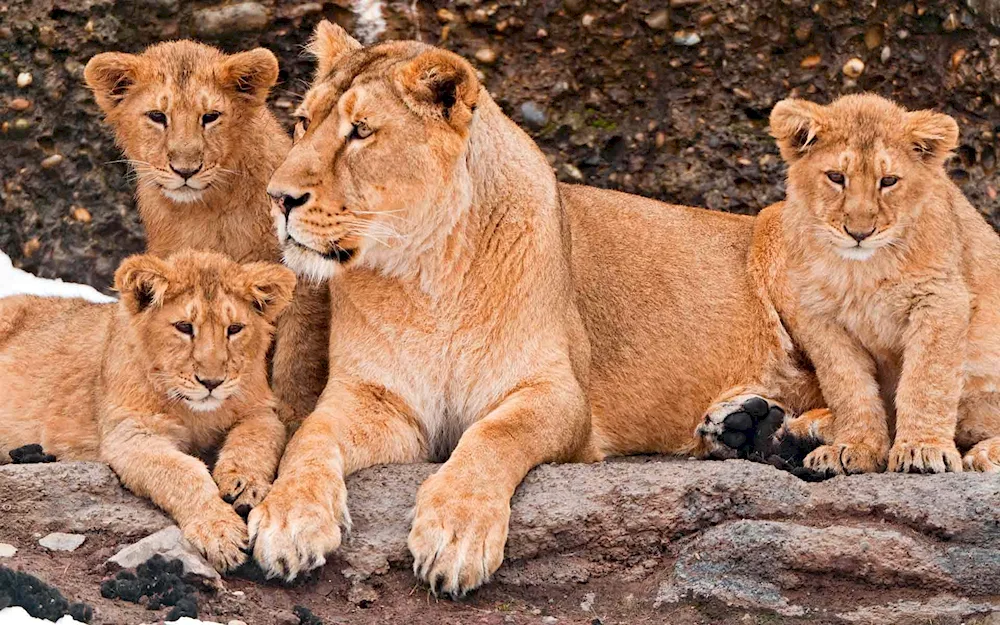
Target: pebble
(957,57)
(285,617)
(533,115)
(444,15)
(232,18)
(873,37)
(302,10)
(854,68)
(7,551)
(803,32)
(30,247)
(811,61)
(686,38)
(486,55)
(59,541)
(950,23)
(81,214)
(587,20)
(572,171)
(549,620)
(52,161)
(24,79)
(659,20)
(886,54)
(20,104)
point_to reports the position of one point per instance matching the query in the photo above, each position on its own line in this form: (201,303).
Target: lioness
(890,281)
(473,292)
(173,368)
(193,123)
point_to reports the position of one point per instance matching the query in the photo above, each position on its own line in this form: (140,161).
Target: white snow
(18,616)
(14,281)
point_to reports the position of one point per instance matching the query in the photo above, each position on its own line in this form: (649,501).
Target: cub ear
(329,44)
(110,75)
(796,124)
(933,135)
(143,281)
(270,287)
(251,73)
(440,83)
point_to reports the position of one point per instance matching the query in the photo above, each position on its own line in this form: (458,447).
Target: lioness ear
(440,83)
(110,75)
(329,43)
(933,135)
(250,73)
(143,281)
(270,287)
(796,125)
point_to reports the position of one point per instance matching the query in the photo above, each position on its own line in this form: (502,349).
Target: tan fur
(122,384)
(224,206)
(472,292)
(903,326)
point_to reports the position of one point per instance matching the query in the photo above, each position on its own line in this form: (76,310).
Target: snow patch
(370,22)
(18,616)
(14,281)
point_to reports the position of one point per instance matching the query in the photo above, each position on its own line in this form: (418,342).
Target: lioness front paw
(295,527)
(925,458)
(242,489)
(845,459)
(457,538)
(220,535)
(984,456)
(739,426)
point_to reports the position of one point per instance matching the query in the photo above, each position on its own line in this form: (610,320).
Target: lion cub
(174,368)
(891,284)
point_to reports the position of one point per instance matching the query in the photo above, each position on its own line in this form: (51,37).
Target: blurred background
(664,98)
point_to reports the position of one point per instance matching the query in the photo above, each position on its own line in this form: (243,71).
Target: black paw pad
(749,429)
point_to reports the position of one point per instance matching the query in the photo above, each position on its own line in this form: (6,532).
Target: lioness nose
(859,236)
(287,202)
(184,171)
(210,384)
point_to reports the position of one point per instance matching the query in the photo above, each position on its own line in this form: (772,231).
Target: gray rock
(659,20)
(7,551)
(170,543)
(533,115)
(231,18)
(60,541)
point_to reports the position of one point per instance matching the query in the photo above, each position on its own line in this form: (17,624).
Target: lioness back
(50,350)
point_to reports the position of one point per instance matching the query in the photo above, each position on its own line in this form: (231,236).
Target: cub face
(860,166)
(377,125)
(178,111)
(202,321)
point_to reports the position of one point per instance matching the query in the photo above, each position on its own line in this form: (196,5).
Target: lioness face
(860,166)
(203,321)
(378,145)
(178,111)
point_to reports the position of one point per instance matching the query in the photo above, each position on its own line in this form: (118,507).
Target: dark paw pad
(750,428)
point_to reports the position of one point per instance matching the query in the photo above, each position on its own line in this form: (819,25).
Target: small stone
(231,18)
(854,68)
(479,16)
(659,20)
(572,171)
(542,33)
(59,541)
(661,140)
(873,36)
(533,115)
(486,55)
(686,38)
(285,617)
(803,32)
(24,79)
(811,61)
(52,161)
(169,543)
(444,15)
(903,34)
(7,551)
(957,57)
(81,214)
(587,20)
(886,54)
(302,10)
(549,620)
(30,247)
(20,104)
(950,23)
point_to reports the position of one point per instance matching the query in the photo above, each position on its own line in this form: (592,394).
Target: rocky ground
(666,98)
(640,541)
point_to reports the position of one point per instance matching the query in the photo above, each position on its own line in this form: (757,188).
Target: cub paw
(220,535)
(984,457)
(740,426)
(296,526)
(457,538)
(241,489)
(925,458)
(845,459)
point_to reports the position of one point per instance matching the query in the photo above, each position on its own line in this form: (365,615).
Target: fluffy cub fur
(890,281)
(485,313)
(173,369)
(193,124)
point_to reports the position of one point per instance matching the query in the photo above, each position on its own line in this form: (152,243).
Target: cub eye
(184,328)
(361,130)
(887,181)
(835,177)
(234,329)
(210,117)
(157,117)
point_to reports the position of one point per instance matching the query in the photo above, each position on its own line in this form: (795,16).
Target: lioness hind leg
(739,424)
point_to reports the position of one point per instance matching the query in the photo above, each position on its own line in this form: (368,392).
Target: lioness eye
(234,329)
(835,177)
(887,181)
(361,130)
(157,117)
(210,117)
(184,328)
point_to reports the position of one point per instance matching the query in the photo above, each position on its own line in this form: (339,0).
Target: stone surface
(7,551)
(231,18)
(61,541)
(168,542)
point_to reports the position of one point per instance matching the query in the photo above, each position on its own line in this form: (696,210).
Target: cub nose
(185,172)
(859,236)
(286,202)
(210,384)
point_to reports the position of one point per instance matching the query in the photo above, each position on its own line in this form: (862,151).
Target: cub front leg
(150,464)
(846,374)
(462,512)
(355,426)
(931,383)
(249,458)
